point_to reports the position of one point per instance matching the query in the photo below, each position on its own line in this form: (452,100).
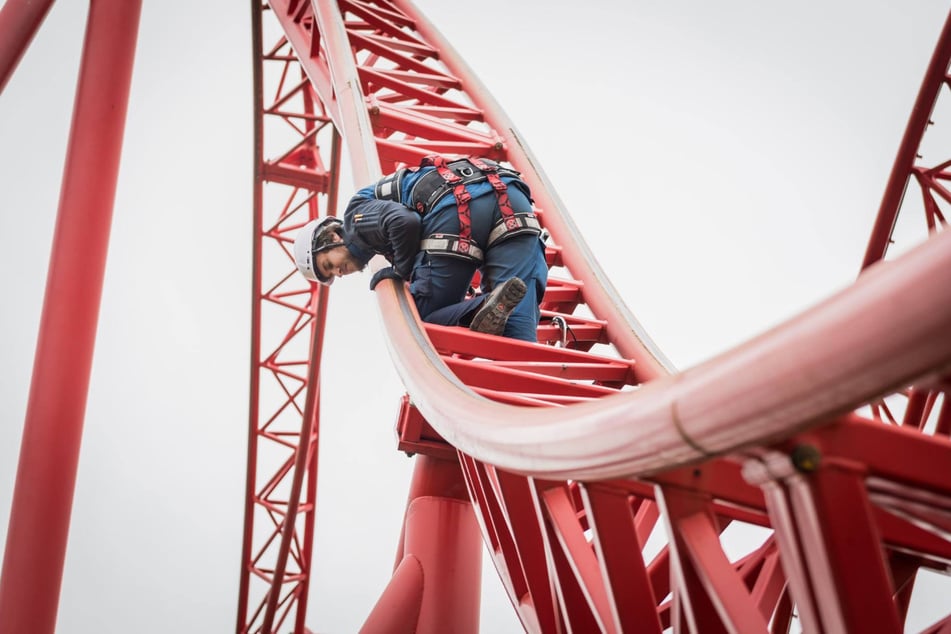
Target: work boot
(495,310)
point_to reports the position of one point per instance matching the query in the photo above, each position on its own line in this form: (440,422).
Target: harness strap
(501,191)
(463,244)
(451,245)
(510,224)
(388,187)
(516,225)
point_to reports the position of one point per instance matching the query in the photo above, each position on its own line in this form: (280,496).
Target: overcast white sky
(724,160)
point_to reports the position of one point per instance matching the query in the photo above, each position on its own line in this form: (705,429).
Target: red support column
(19,22)
(436,585)
(49,453)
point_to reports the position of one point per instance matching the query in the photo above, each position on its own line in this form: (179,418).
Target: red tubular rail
(762,391)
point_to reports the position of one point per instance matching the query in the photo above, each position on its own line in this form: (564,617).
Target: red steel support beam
(714,597)
(49,453)
(518,512)
(847,350)
(295,180)
(576,563)
(935,77)
(842,547)
(254,399)
(306,449)
(19,22)
(436,584)
(618,547)
(507,508)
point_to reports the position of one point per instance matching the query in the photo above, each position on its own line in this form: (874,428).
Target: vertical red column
(436,586)
(49,453)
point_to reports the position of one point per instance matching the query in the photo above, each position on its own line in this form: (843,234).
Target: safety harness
(453,177)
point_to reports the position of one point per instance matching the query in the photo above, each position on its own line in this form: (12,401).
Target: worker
(437,224)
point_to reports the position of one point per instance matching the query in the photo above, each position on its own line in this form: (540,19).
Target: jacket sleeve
(388,228)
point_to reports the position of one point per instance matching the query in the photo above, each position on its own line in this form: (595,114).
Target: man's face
(336,262)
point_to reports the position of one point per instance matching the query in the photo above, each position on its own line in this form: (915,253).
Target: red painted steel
(295,180)
(611,515)
(703,442)
(768,387)
(49,454)
(19,22)
(936,76)
(436,582)
(572,456)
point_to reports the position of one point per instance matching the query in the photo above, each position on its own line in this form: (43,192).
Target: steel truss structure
(575,450)
(602,480)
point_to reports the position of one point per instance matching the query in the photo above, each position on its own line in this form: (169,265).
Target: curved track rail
(578,450)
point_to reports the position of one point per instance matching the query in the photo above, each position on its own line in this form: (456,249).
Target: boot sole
(494,313)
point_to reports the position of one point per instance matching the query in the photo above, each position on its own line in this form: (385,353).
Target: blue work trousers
(440,282)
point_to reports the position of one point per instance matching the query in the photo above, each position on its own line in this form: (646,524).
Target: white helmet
(308,244)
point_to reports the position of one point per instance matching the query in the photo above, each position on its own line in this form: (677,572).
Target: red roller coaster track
(570,458)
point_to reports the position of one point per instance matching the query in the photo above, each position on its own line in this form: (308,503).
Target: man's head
(320,253)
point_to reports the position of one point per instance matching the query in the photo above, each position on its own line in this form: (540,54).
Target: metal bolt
(805,458)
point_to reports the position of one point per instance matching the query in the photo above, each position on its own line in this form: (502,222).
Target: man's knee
(522,325)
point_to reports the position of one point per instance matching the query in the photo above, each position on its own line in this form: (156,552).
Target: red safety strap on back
(461,195)
(501,191)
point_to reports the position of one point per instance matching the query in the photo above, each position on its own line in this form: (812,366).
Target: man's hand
(386,273)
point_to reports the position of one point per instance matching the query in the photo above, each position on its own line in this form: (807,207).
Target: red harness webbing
(463,197)
(501,191)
